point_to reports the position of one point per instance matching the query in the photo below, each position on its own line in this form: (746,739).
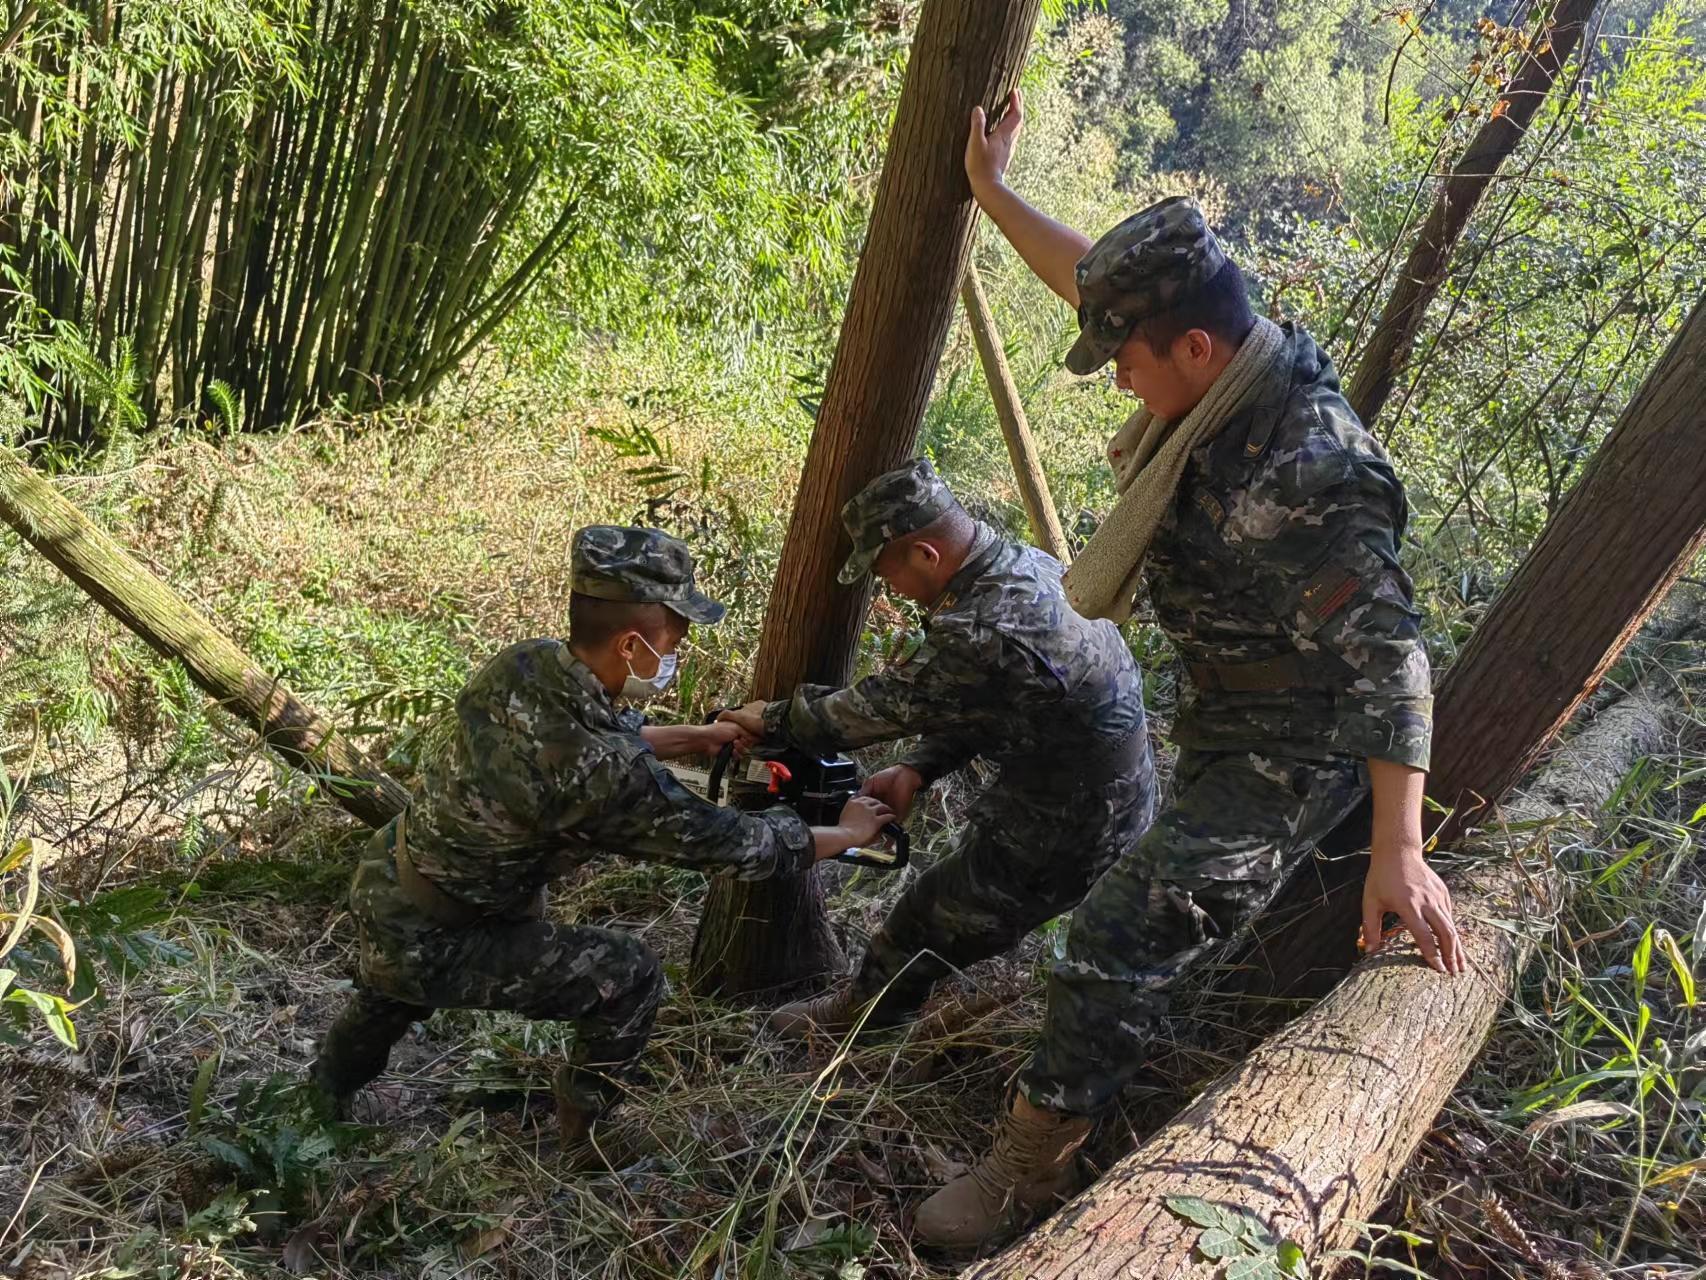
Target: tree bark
(764,934)
(1389,348)
(1622,538)
(138,599)
(1015,430)
(1309,1131)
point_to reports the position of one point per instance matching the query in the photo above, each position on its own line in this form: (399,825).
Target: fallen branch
(142,602)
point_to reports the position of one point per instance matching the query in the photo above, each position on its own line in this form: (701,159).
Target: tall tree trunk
(1388,350)
(133,595)
(764,934)
(1307,1133)
(1015,430)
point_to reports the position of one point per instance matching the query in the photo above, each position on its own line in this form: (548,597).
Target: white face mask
(644,688)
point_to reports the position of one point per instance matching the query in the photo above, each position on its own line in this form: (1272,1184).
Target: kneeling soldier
(1009,672)
(544,772)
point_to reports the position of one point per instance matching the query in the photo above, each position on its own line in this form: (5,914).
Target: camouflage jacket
(1006,671)
(543,772)
(1284,540)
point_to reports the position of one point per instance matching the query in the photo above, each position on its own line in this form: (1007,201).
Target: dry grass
(363,556)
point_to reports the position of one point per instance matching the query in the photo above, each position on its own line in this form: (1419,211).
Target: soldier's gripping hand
(750,718)
(863,817)
(895,786)
(722,732)
(989,151)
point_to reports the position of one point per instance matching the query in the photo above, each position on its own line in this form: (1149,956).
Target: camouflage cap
(638,566)
(893,505)
(1137,270)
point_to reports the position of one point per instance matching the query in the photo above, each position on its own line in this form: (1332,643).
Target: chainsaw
(815,787)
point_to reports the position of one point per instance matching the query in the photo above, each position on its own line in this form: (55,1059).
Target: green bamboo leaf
(1679,965)
(54,1011)
(199,1091)
(1642,960)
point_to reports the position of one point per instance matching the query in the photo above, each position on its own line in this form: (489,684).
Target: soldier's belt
(438,906)
(1092,764)
(1269,676)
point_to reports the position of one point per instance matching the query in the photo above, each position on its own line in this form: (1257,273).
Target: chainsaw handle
(902,851)
(719,766)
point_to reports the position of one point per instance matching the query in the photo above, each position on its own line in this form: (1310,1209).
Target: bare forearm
(1050,249)
(1397,792)
(669,741)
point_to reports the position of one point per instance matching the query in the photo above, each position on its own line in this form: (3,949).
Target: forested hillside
(341,316)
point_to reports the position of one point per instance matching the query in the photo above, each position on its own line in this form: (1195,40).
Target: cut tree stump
(1309,1131)
(142,602)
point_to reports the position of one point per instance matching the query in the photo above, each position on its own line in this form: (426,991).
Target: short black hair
(1220,307)
(592,621)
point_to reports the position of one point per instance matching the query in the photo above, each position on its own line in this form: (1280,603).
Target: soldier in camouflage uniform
(1006,671)
(544,771)
(1274,571)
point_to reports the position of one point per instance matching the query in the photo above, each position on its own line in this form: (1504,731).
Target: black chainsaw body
(815,787)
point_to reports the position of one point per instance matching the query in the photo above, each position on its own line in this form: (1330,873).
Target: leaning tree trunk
(764,934)
(133,595)
(1593,577)
(1389,348)
(1015,429)
(1306,1135)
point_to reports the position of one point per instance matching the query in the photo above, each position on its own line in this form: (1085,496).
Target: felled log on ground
(142,602)
(1308,1133)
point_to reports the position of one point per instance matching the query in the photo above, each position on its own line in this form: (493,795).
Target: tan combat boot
(1029,1165)
(833,1013)
(576,1115)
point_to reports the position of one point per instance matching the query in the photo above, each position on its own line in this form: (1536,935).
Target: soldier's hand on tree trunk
(1405,885)
(896,787)
(989,151)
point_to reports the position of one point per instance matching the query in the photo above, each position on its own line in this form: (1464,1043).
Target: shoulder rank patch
(1328,592)
(1211,508)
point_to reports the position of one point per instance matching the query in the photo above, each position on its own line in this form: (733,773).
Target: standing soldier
(1264,521)
(542,773)
(1006,671)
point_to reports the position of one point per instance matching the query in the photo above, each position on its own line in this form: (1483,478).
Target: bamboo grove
(328,205)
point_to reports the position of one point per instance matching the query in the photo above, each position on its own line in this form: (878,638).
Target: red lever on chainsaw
(779,773)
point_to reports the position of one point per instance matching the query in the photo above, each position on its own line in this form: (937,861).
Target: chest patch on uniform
(1328,592)
(905,646)
(1212,509)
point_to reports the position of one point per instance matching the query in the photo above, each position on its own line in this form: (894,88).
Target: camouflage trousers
(1236,825)
(605,982)
(1025,857)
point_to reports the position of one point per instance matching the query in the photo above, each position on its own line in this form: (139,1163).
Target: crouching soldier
(1006,671)
(546,769)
